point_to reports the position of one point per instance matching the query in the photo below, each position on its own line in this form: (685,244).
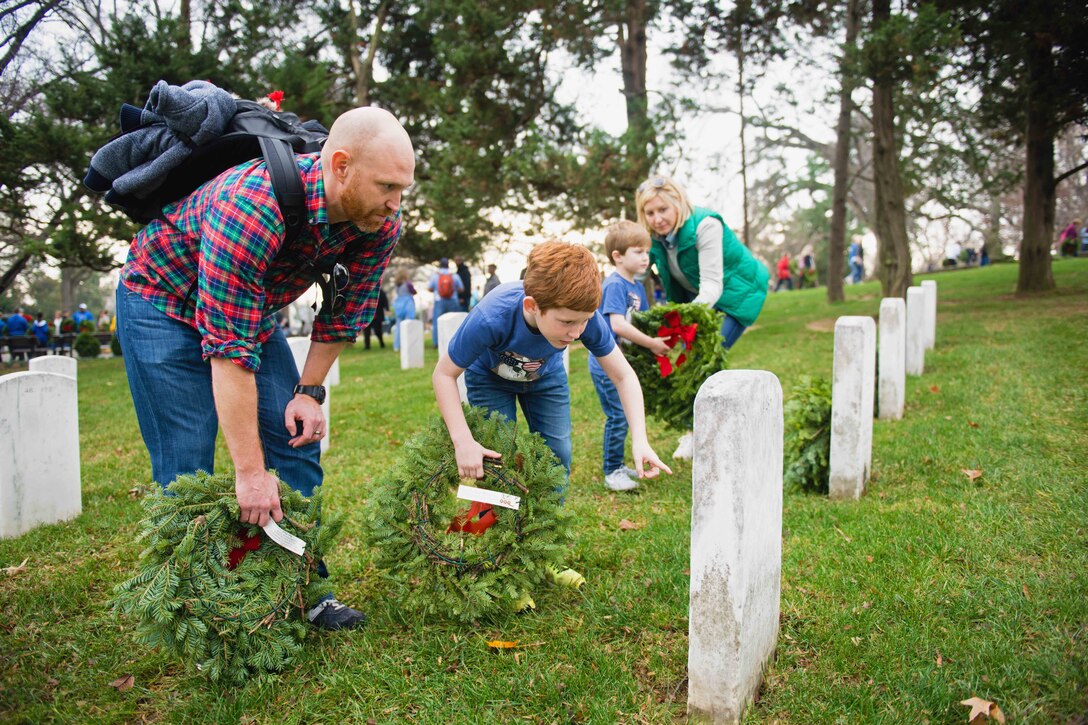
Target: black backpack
(252,132)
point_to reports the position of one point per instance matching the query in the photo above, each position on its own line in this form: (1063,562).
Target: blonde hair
(559,274)
(622,236)
(670,192)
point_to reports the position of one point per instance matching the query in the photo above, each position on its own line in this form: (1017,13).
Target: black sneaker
(332,615)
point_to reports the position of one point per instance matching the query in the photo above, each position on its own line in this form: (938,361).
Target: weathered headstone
(447,326)
(39,451)
(852,385)
(300,348)
(736,541)
(916,335)
(411,344)
(930,287)
(59,364)
(892,358)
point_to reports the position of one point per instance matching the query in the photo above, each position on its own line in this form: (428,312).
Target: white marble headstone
(916,334)
(930,287)
(854,376)
(736,541)
(411,344)
(59,364)
(39,451)
(447,326)
(892,358)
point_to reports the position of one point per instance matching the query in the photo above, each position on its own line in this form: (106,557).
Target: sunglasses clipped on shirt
(333,283)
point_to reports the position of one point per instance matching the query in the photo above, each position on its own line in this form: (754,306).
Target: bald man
(196,307)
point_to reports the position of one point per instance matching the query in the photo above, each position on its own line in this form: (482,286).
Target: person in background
(404,303)
(17,324)
(807,272)
(856,259)
(104,320)
(492,280)
(82,315)
(699,259)
(58,318)
(1069,239)
(446,286)
(464,294)
(784,276)
(41,330)
(377,324)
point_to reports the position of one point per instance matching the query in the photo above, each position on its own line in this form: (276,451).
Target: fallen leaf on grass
(501,644)
(626,525)
(940,660)
(934,389)
(972,423)
(971,473)
(1026,595)
(125,682)
(15,570)
(983,710)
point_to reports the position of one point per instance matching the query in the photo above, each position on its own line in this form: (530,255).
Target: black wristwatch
(317,392)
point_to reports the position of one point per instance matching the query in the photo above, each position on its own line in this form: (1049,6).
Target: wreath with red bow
(670,382)
(464,559)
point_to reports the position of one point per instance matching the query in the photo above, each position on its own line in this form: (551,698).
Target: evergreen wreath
(220,594)
(460,561)
(671,398)
(807,444)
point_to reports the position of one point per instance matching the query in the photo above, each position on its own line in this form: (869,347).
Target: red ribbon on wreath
(478,519)
(674,335)
(238,553)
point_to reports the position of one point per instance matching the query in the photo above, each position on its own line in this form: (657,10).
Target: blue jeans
(172,390)
(404,307)
(731,330)
(441,307)
(615,424)
(856,272)
(545,403)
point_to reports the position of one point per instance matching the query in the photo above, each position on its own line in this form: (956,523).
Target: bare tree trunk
(837,237)
(185,16)
(631,38)
(891,219)
(1036,274)
(743,147)
(364,67)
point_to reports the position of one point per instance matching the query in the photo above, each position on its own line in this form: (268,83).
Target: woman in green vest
(699,259)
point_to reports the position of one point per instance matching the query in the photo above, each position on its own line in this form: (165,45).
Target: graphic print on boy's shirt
(517,368)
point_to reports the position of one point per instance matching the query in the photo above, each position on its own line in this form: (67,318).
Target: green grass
(930,589)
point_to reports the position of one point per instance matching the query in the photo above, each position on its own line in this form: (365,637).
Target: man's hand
(470,458)
(306,412)
(647,463)
(258,497)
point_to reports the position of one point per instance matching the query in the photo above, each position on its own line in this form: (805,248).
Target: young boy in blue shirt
(627,245)
(510,350)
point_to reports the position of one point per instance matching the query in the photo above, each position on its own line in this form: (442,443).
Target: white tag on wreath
(288,541)
(483,495)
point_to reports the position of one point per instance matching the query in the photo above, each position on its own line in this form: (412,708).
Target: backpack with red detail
(445,286)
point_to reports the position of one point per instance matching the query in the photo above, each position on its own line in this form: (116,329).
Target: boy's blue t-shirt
(495,338)
(619,297)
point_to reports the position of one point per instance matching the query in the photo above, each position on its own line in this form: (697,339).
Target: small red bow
(679,338)
(238,553)
(478,519)
(276,97)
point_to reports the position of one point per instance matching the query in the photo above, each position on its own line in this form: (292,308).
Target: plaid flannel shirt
(215,262)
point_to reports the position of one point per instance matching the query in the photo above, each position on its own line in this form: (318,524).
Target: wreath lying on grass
(462,559)
(807,446)
(671,382)
(220,594)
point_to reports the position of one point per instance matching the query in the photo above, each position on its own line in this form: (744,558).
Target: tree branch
(17,38)
(1067,174)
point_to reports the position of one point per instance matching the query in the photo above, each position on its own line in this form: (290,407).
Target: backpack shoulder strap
(286,185)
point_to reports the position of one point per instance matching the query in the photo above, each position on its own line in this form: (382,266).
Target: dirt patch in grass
(825,325)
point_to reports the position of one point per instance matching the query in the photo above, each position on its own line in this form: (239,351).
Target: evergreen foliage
(230,623)
(115,346)
(807,444)
(86,345)
(464,576)
(671,399)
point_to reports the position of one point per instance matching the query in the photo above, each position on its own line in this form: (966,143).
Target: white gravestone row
(39,451)
(852,392)
(411,344)
(736,541)
(447,326)
(300,347)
